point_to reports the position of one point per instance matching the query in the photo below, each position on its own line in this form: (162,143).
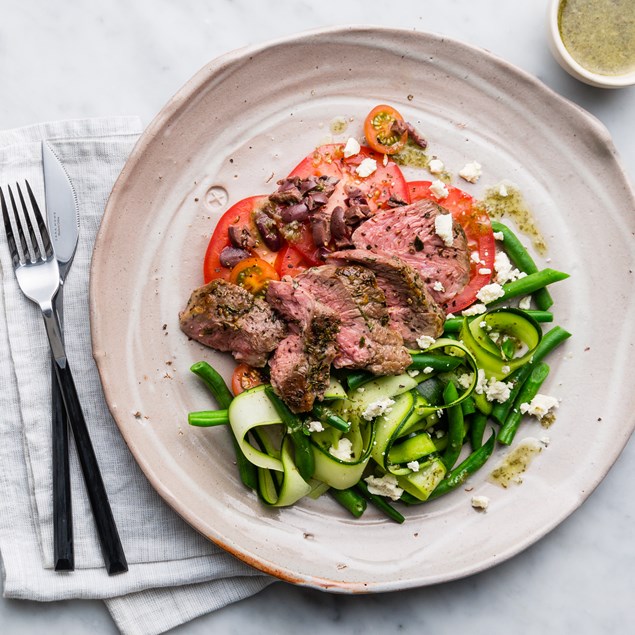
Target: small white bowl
(574,68)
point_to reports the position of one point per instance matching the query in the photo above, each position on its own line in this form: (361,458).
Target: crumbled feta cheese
(438,189)
(413,465)
(428,369)
(435,166)
(413,372)
(438,286)
(482,324)
(449,316)
(361,389)
(475,309)
(499,236)
(443,228)
(384,486)
(540,406)
(343,450)
(315,426)
(504,270)
(471,172)
(545,440)
(502,190)
(485,271)
(480,502)
(366,167)
(525,303)
(465,380)
(498,390)
(481,382)
(475,257)
(377,408)
(490,292)
(506,370)
(351,148)
(425,341)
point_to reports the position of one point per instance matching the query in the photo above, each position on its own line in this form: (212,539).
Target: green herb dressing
(599,34)
(515,464)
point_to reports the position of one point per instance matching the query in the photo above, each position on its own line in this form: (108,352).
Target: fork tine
(44,233)
(13,248)
(32,237)
(24,245)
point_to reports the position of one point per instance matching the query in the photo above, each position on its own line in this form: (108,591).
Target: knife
(62,212)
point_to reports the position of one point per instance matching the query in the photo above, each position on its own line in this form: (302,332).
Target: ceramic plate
(242,123)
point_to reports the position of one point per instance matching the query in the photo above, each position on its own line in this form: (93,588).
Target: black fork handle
(106,528)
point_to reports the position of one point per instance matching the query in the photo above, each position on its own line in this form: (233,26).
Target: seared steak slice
(409,233)
(227,317)
(300,367)
(412,310)
(364,339)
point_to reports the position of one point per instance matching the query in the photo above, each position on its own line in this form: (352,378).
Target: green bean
(456,427)
(527,392)
(461,472)
(304,459)
(214,382)
(550,340)
(453,325)
(208,418)
(380,503)
(355,380)
(223,396)
(531,283)
(326,415)
(350,499)
(477,429)
(521,259)
(468,406)
(439,363)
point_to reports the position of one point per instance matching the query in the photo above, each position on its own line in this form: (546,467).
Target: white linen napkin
(174,573)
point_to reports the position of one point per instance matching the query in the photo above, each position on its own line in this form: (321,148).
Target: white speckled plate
(244,121)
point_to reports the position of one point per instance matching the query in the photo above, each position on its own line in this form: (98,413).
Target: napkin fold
(174,573)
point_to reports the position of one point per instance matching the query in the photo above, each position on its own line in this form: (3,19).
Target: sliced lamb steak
(227,317)
(300,367)
(409,233)
(365,339)
(412,310)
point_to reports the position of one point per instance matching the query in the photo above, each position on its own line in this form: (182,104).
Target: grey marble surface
(83,59)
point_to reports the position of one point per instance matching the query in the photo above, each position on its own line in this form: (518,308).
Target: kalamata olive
(320,229)
(320,198)
(338,223)
(268,231)
(284,197)
(231,256)
(298,212)
(240,237)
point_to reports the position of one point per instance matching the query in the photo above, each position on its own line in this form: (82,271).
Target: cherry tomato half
(253,274)
(245,377)
(478,231)
(382,130)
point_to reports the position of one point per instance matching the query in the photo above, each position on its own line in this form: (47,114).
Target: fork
(37,273)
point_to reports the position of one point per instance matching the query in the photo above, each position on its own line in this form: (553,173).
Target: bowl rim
(572,65)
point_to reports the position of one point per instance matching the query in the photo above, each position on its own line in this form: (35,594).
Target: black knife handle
(106,528)
(62,509)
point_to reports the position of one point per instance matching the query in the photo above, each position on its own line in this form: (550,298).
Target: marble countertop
(85,59)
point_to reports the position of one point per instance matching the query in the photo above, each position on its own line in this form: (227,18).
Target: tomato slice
(253,274)
(291,262)
(386,182)
(379,130)
(241,214)
(478,230)
(245,377)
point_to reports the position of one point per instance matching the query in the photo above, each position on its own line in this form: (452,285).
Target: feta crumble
(366,167)
(480,502)
(502,190)
(493,389)
(438,286)
(499,236)
(438,189)
(490,292)
(435,166)
(315,426)
(471,172)
(384,486)
(475,309)
(343,450)
(475,257)
(443,229)
(465,380)
(413,465)
(505,272)
(351,148)
(525,303)
(428,369)
(413,372)
(485,271)
(378,408)
(425,341)
(540,406)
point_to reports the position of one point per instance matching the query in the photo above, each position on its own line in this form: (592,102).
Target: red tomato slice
(239,214)
(244,378)
(386,182)
(290,262)
(478,230)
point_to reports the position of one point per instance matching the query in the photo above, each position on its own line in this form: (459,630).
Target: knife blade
(62,212)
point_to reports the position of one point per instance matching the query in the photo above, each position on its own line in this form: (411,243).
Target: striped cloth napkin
(175,574)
